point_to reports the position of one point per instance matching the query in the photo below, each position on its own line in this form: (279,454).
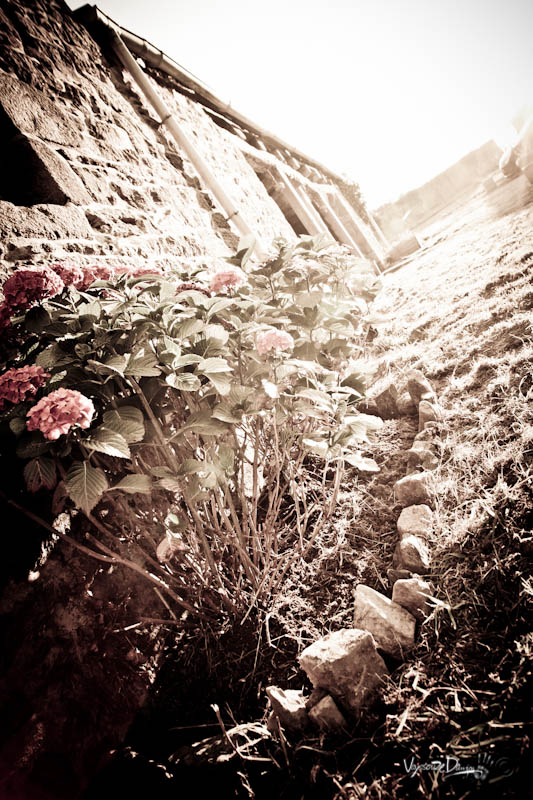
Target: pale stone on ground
(289,706)
(412,594)
(326,715)
(412,553)
(386,403)
(413,489)
(427,412)
(418,385)
(346,664)
(421,457)
(397,575)
(406,407)
(392,626)
(417,520)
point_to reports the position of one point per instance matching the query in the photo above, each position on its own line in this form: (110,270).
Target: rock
(425,436)
(289,706)
(412,594)
(386,403)
(405,405)
(346,664)
(418,385)
(412,553)
(427,412)
(415,520)
(327,716)
(368,406)
(421,457)
(397,575)
(413,489)
(392,626)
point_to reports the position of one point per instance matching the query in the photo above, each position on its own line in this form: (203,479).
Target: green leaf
(362,463)
(104,440)
(85,485)
(217,333)
(113,366)
(40,473)
(184,361)
(134,484)
(221,383)
(127,421)
(142,366)
(36,319)
(227,413)
(189,328)
(17,425)
(321,399)
(202,422)
(185,381)
(317,446)
(213,365)
(31,445)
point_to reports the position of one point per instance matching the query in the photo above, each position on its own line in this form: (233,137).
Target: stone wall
(90,173)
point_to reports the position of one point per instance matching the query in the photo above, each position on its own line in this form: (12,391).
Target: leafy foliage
(197,421)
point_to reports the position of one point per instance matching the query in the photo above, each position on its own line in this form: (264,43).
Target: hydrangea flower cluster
(59,411)
(273,340)
(70,274)
(19,384)
(229,278)
(28,285)
(96,272)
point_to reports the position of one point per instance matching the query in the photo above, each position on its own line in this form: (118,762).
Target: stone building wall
(90,173)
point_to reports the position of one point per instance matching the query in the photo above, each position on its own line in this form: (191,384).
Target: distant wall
(414,207)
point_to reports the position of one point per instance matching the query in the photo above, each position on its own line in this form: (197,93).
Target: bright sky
(389,92)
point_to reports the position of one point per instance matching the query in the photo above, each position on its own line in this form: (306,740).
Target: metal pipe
(165,115)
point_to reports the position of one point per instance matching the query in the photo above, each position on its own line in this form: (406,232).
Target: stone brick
(413,595)
(415,520)
(421,457)
(413,489)
(326,715)
(289,706)
(386,403)
(418,385)
(347,665)
(412,553)
(427,412)
(392,626)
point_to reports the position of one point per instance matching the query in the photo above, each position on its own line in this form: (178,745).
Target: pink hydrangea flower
(70,274)
(19,384)
(5,316)
(28,285)
(96,272)
(229,278)
(273,340)
(59,411)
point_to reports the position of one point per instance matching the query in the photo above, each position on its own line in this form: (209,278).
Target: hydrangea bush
(213,413)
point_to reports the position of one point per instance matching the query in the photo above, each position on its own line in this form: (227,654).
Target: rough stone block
(406,407)
(386,403)
(418,385)
(413,489)
(346,664)
(412,553)
(421,457)
(289,706)
(397,575)
(412,594)
(327,716)
(392,626)
(427,412)
(416,521)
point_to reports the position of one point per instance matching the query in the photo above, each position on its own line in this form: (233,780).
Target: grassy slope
(463,314)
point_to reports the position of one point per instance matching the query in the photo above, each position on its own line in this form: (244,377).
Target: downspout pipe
(165,115)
